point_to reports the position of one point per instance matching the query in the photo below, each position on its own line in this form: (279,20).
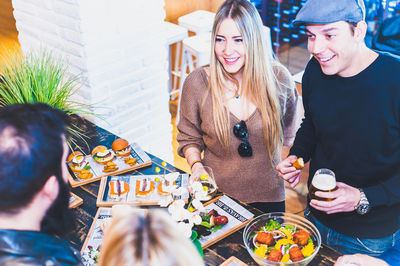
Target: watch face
(363,209)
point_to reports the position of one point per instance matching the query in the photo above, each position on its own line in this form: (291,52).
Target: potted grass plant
(41,76)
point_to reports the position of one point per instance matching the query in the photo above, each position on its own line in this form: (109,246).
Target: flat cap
(329,11)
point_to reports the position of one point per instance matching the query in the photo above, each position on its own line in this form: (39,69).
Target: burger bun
(72,155)
(121,147)
(98,148)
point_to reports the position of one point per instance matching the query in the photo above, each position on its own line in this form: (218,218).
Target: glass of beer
(324,180)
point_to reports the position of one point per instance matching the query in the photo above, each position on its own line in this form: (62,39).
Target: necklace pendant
(237,96)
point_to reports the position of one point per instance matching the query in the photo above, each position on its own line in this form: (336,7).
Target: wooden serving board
(95,235)
(74,201)
(237,214)
(233,261)
(142,158)
(104,200)
(238,217)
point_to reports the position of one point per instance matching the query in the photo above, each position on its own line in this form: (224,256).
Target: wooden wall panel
(177,8)
(7,21)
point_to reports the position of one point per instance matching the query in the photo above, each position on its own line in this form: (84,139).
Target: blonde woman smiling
(240,110)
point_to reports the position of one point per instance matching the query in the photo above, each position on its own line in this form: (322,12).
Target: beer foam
(324,182)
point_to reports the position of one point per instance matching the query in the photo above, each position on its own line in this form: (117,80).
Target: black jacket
(35,248)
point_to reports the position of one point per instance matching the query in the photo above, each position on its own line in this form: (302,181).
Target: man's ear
(50,188)
(360,31)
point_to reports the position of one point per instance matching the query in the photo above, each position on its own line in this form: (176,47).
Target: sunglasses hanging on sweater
(240,131)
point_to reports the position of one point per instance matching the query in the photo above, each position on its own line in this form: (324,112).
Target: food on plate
(220,220)
(295,254)
(288,243)
(121,147)
(78,162)
(161,188)
(275,255)
(85,174)
(211,222)
(72,155)
(110,167)
(131,161)
(144,187)
(265,238)
(118,189)
(98,148)
(301,237)
(299,163)
(102,155)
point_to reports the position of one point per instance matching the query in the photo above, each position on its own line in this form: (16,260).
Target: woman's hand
(197,171)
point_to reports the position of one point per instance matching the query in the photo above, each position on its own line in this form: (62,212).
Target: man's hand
(288,172)
(345,199)
(359,259)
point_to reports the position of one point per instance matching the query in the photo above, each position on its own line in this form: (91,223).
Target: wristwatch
(363,206)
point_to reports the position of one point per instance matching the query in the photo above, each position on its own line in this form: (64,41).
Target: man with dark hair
(351,99)
(34,193)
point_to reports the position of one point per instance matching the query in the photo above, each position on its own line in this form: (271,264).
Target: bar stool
(199,22)
(198,46)
(175,34)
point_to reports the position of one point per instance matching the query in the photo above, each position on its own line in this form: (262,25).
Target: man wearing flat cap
(351,98)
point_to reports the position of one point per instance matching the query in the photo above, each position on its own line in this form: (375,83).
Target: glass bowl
(283,218)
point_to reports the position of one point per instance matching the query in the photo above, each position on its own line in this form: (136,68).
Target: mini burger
(121,147)
(102,155)
(77,162)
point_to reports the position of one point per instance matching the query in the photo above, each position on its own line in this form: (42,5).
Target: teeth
(230,59)
(326,59)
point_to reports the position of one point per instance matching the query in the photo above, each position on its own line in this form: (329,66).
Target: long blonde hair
(259,83)
(151,238)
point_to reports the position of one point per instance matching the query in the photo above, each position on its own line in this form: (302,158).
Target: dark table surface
(213,255)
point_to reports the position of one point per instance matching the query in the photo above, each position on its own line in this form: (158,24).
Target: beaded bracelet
(196,161)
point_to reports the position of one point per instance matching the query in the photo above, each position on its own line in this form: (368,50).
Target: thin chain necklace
(236,91)
(237,94)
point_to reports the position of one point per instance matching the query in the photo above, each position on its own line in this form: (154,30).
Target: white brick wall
(119,48)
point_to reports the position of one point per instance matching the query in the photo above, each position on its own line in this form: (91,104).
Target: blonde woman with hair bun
(240,110)
(146,237)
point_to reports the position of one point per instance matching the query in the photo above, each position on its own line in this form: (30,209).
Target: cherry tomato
(220,220)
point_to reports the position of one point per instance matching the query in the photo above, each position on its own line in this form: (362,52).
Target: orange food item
(85,174)
(160,190)
(265,238)
(275,255)
(121,147)
(118,189)
(98,148)
(299,163)
(144,187)
(301,237)
(295,254)
(73,154)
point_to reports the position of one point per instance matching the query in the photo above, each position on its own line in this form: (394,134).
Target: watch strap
(363,206)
